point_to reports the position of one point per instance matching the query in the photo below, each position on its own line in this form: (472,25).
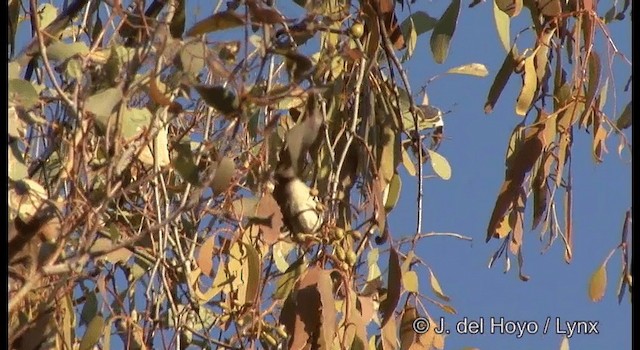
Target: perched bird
(300,208)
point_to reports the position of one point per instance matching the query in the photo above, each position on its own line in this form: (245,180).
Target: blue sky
(475,148)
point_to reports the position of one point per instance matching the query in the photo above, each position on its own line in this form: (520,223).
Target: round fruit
(357,30)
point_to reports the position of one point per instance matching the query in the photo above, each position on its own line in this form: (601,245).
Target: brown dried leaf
(268,209)
(593,84)
(520,163)
(205,256)
(510,7)
(389,335)
(501,79)
(218,21)
(301,322)
(394,283)
(328,321)
(407,335)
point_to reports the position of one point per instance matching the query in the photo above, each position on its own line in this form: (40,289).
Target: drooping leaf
(89,309)
(103,104)
(60,51)
(46,14)
(440,165)
(593,84)
(410,281)
(395,186)
(176,28)
(564,343)
(218,21)
(22,93)
(390,335)
(624,120)
(422,23)
(328,323)
(192,58)
(503,22)
(511,7)
(92,333)
(529,87)
(443,32)
(598,283)
(224,173)
(253,278)
(205,256)
(501,79)
(394,283)
(475,69)
(411,38)
(287,281)
(407,333)
(135,121)
(435,286)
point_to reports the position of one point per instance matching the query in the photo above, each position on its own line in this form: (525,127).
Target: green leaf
(60,51)
(46,14)
(475,69)
(224,172)
(14,70)
(192,58)
(500,81)
(624,121)
(93,333)
(134,120)
(440,165)
(17,167)
(253,279)
(184,163)
(219,21)
(89,309)
(443,31)
(529,87)
(103,103)
(74,69)
(410,281)
(411,40)
(22,93)
(503,22)
(220,98)
(598,283)
(421,22)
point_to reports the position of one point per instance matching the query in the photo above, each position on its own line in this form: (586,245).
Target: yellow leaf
(219,21)
(502,25)
(529,86)
(410,281)
(435,286)
(440,165)
(475,69)
(598,283)
(564,344)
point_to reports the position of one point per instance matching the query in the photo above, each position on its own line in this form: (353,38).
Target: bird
(300,209)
